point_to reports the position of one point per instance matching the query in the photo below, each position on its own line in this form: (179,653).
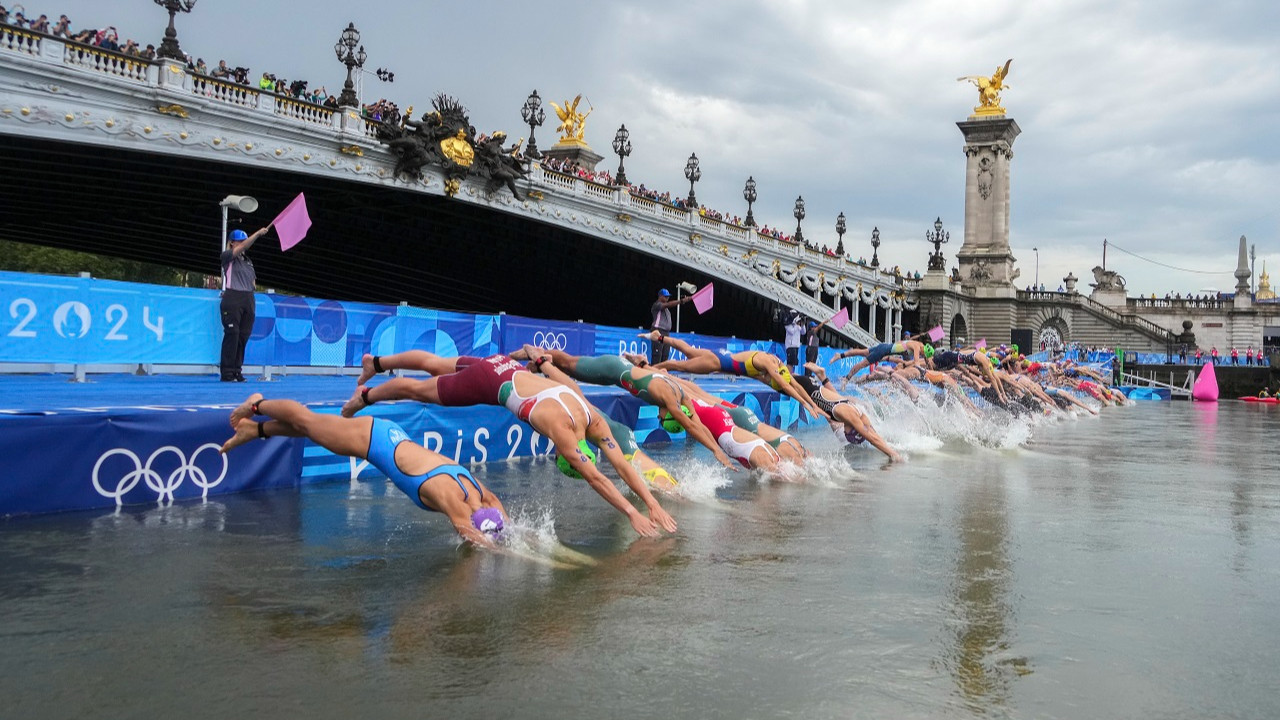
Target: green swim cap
(928,351)
(585,448)
(670,424)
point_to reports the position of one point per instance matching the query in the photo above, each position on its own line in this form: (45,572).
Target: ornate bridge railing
(41,66)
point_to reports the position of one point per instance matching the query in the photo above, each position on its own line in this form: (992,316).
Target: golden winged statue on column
(989,90)
(572,122)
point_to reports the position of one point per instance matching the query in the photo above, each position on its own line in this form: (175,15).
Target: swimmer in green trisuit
(650,386)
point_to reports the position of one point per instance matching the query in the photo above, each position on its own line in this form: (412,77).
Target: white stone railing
(107,62)
(223,91)
(17,40)
(305,111)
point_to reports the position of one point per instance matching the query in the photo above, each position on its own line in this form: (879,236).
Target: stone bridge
(126,157)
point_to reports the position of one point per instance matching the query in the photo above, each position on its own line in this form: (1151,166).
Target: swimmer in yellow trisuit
(749,363)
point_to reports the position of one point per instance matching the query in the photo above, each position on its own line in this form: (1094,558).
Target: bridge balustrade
(304,111)
(107,61)
(12,38)
(223,91)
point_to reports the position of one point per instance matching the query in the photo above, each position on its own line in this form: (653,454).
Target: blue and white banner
(574,338)
(133,457)
(82,320)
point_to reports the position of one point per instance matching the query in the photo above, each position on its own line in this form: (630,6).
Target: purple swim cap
(487,520)
(854,436)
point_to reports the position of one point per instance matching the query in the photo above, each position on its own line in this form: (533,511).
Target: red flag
(704,298)
(840,319)
(292,223)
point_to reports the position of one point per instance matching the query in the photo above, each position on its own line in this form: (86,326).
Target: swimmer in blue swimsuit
(432,481)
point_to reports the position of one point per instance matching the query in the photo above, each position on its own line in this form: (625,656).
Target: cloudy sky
(1153,125)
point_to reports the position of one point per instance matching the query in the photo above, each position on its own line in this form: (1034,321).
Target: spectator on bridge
(40,24)
(1248,355)
(238,282)
(201,67)
(1213,354)
(660,320)
(62,28)
(791,334)
(1235,356)
(1259,358)
(222,71)
(1199,355)
(4,16)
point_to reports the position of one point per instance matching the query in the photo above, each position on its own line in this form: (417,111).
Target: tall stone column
(987,267)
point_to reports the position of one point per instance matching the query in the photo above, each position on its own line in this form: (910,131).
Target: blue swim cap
(665,291)
(237,236)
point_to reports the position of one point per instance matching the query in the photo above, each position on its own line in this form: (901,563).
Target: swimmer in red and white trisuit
(548,406)
(432,481)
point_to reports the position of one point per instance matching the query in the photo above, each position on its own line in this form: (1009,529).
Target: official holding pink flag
(237,305)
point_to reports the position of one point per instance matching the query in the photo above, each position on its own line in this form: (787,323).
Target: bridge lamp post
(169,46)
(622,147)
(1036,250)
(749,194)
(840,228)
(875,247)
(798,212)
(533,115)
(693,174)
(348,55)
(938,238)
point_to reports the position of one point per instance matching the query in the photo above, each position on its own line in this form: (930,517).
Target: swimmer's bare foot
(245,410)
(635,359)
(355,403)
(367,370)
(521,354)
(246,430)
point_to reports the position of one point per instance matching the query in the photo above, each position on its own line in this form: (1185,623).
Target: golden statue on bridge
(572,122)
(989,90)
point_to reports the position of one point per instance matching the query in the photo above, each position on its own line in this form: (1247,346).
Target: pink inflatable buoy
(1205,388)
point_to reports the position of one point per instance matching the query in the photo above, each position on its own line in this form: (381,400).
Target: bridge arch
(959,329)
(1054,331)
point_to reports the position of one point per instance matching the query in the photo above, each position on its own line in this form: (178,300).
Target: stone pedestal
(1112,297)
(987,267)
(573,152)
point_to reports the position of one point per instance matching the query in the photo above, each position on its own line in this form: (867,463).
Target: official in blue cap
(660,320)
(238,282)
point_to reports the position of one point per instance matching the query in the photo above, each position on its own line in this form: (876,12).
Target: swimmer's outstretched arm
(605,441)
(566,443)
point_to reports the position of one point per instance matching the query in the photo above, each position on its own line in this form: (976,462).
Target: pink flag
(936,334)
(292,223)
(840,319)
(704,298)
(981,344)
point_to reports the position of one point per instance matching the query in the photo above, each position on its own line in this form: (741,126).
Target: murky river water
(1126,566)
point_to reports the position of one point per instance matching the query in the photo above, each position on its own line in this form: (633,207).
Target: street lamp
(533,115)
(749,194)
(348,55)
(840,228)
(875,247)
(622,147)
(693,174)
(1037,252)
(798,211)
(938,238)
(169,46)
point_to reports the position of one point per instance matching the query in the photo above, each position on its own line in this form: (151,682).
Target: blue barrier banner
(575,338)
(131,458)
(81,320)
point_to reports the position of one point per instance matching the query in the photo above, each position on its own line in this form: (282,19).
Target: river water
(1125,566)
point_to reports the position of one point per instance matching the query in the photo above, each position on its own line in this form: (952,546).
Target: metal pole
(221,274)
(678,303)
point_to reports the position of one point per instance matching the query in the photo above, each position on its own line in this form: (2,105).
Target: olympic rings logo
(163,486)
(551,340)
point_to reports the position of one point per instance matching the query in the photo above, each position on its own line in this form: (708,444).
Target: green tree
(21,257)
